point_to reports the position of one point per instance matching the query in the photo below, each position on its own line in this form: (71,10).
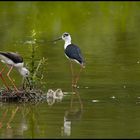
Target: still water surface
(107,102)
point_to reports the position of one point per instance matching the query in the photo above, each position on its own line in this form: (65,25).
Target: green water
(107,102)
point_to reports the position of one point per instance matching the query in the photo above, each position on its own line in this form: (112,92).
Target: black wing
(16,58)
(74,52)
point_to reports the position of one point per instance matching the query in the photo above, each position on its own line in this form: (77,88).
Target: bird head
(66,36)
(24,72)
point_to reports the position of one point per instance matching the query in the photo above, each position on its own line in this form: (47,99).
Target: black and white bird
(14,60)
(73,53)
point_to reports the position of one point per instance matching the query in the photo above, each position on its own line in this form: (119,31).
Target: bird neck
(67,42)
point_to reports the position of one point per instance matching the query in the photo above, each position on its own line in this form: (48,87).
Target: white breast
(67,42)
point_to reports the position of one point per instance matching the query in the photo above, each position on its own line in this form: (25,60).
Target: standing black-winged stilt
(14,60)
(73,53)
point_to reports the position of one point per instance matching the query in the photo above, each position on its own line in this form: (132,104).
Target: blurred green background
(108,35)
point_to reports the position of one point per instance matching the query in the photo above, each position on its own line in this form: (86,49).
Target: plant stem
(32,64)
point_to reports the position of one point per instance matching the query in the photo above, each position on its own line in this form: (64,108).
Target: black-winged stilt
(14,60)
(73,53)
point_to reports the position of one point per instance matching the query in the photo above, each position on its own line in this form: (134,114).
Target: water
(107,102)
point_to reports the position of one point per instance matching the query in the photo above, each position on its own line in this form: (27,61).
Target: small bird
(50,93)
(50,97)
(14,60)
(59,94)
(73,53)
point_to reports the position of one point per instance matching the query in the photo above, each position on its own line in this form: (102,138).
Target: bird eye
(65,35)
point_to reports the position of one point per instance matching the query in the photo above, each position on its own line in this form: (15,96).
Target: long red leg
(72,73)
(11,79)
(4,82)
(78,76)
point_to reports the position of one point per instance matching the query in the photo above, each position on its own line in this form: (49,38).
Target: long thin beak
(57,39)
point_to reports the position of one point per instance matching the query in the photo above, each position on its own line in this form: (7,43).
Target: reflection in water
(3,117)
(23,125)
(8,131)
(50,101)
(73,113)
(14,111)
(27,119)
(4,114)
(24,120)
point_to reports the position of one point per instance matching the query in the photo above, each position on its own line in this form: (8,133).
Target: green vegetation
(37,66)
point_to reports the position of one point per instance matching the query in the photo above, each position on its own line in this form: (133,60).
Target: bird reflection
(23,125)
(4,115)
(6,124)
(14,111)
(73,113)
